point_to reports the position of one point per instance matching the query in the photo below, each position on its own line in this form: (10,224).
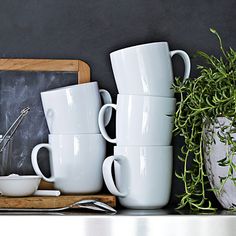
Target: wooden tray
(38,202)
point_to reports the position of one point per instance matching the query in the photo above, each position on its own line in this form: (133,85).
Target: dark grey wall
(90,30)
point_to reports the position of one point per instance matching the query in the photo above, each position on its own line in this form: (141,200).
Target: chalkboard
(20,89)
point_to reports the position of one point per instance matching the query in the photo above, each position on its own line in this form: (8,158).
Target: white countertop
(126,222)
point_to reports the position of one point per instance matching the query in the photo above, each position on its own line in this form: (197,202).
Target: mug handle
(101,122)
(106,97)
(186,59)
(108,177)
(34,160)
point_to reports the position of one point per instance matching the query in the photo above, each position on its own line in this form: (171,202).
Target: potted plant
(206,119)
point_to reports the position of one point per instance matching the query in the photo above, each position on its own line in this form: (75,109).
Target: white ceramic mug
(146,69)
(75,162)
(142,175)
(140,120)
(74,109)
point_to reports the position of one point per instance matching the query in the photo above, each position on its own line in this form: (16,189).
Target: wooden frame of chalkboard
(53,65)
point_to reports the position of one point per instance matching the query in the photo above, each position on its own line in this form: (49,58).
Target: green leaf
(212,30)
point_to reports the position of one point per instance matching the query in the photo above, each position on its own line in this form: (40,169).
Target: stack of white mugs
(76,147)
(145,109)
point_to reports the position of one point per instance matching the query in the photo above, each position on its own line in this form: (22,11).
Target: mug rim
(19,177)
(167,147)
(146,96)
(59,89)
(76,135)
(138,46)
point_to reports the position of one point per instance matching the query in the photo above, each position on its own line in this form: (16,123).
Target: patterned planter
(215,152)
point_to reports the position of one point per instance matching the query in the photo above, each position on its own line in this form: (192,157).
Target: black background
(90,30)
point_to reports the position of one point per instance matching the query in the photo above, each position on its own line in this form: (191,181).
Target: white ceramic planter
(216,152)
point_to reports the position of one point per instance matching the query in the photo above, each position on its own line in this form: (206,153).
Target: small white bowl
(19,185)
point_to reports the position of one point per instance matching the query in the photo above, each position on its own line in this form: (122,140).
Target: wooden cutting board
(38,202)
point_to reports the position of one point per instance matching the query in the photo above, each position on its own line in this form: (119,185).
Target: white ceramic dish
(19,185)
(75,162)
(146,69)
(142,175)
(141,120)
(74,109)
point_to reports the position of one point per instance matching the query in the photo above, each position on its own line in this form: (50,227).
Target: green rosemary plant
(212,94)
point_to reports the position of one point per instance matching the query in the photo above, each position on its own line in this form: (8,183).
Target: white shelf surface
(125,222)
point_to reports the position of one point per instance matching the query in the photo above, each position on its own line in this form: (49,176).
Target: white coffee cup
(146,69)
(140,120)
(75,162)
(74,109)
(142,175)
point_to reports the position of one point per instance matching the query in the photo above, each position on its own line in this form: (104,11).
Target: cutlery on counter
(85,204)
